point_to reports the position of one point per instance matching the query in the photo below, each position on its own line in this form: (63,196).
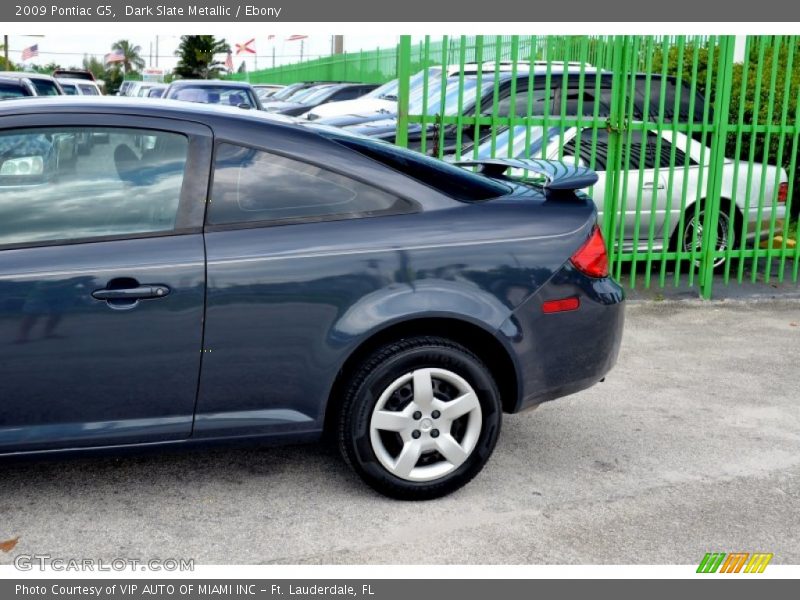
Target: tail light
(783,191)
(591,258)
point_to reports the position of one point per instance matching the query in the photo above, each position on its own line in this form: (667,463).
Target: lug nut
(436,414)
(417,415)
(415,434)
(434,433)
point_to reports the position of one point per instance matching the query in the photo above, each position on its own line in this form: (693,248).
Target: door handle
(130,295)
(652,184)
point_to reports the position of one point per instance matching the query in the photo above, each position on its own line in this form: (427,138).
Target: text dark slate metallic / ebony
(203,273)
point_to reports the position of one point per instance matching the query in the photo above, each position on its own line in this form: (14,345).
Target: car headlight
(25,165)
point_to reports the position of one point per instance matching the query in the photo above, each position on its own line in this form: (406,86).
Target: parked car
(78,87)
(290,91)
(14,87)
(144,89)
(381,98)
(125,86)
(84,74)
(265,90)
(650,187)
(321,95)
(213,91)
(43,85)
(329,283)
(157,90)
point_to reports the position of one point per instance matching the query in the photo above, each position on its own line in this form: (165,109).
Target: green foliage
(196,55)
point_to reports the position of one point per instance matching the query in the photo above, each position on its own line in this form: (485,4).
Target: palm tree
(132,60)
(196,56)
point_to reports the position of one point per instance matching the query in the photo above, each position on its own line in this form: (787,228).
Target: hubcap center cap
(426,424)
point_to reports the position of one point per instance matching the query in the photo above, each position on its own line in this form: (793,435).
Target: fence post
(403,89)
(615,125)
(722,104)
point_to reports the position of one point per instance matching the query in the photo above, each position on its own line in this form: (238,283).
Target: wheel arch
(738,216)
(477,339)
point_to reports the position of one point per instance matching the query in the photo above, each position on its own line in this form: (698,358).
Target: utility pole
(150,64)
(301,50)
(156,50)
(273,56)
(338,44)
(5,50)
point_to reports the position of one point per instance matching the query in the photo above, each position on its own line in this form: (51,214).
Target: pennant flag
(294,38)
(246,47)
(30,52)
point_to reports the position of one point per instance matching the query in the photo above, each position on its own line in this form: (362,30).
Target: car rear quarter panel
(287,305)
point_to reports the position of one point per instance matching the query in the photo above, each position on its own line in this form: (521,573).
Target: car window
(520,104)
(83,182)
(10,90)
(88,90)
(70,89)
(252,186)
(586,144)
(45,87)
(666,152)
(213,95)
(348,94)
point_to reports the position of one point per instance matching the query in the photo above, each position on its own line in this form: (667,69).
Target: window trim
(412,206)
(191,211)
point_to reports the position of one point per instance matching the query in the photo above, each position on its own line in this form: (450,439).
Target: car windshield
(301,95)
(10,90)
(45,87)
(231,96)
(451,95)
(318,94)
(70,89)
(286,92)
(156,92)
(388,91)
(88,89)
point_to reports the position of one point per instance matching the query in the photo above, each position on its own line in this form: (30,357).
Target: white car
(79,87)
(648,190)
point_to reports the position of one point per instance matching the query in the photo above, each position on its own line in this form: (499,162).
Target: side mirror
(244,105)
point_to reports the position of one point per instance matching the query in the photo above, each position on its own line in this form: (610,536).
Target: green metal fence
(695,138)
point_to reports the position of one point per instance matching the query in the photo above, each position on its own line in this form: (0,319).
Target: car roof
(11,80)
(25,74)
(176,109)
(211,83)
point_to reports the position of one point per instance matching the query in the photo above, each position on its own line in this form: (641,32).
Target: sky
(68,50)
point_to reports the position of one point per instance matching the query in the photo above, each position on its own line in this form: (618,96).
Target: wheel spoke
(451,450)
(423,388)
(407,459)
(460,406)
(387,420)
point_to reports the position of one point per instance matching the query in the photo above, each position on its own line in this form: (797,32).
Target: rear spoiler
(559,175)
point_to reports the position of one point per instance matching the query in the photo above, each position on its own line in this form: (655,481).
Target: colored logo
(736,562)
(8,545)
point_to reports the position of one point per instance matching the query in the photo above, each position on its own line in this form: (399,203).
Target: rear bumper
(562,353)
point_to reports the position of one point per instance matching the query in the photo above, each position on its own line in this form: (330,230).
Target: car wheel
(692,234)
(420,418)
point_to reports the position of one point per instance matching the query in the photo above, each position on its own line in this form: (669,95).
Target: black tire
(376,374)
(678,237)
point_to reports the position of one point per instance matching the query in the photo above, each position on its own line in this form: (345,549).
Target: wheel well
(477,340)
(738,216)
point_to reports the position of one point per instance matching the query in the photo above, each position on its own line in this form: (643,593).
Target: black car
(221,274)
(322,94)
(504,94)
(214,91)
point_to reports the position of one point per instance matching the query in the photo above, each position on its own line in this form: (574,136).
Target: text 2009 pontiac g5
(205,273)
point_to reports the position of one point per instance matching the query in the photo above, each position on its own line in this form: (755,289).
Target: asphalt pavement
(692,444)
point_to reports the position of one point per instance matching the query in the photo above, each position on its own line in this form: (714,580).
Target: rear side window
(255,186)
(213,95)
(66,183)
(88,90)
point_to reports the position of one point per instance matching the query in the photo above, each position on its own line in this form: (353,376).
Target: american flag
(115,56)
(229,61)
(246,47)
(294,38)
(30,52)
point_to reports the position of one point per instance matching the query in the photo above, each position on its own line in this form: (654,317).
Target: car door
(102,280)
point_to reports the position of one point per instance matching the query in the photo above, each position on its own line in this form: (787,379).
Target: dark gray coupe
(209,274)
